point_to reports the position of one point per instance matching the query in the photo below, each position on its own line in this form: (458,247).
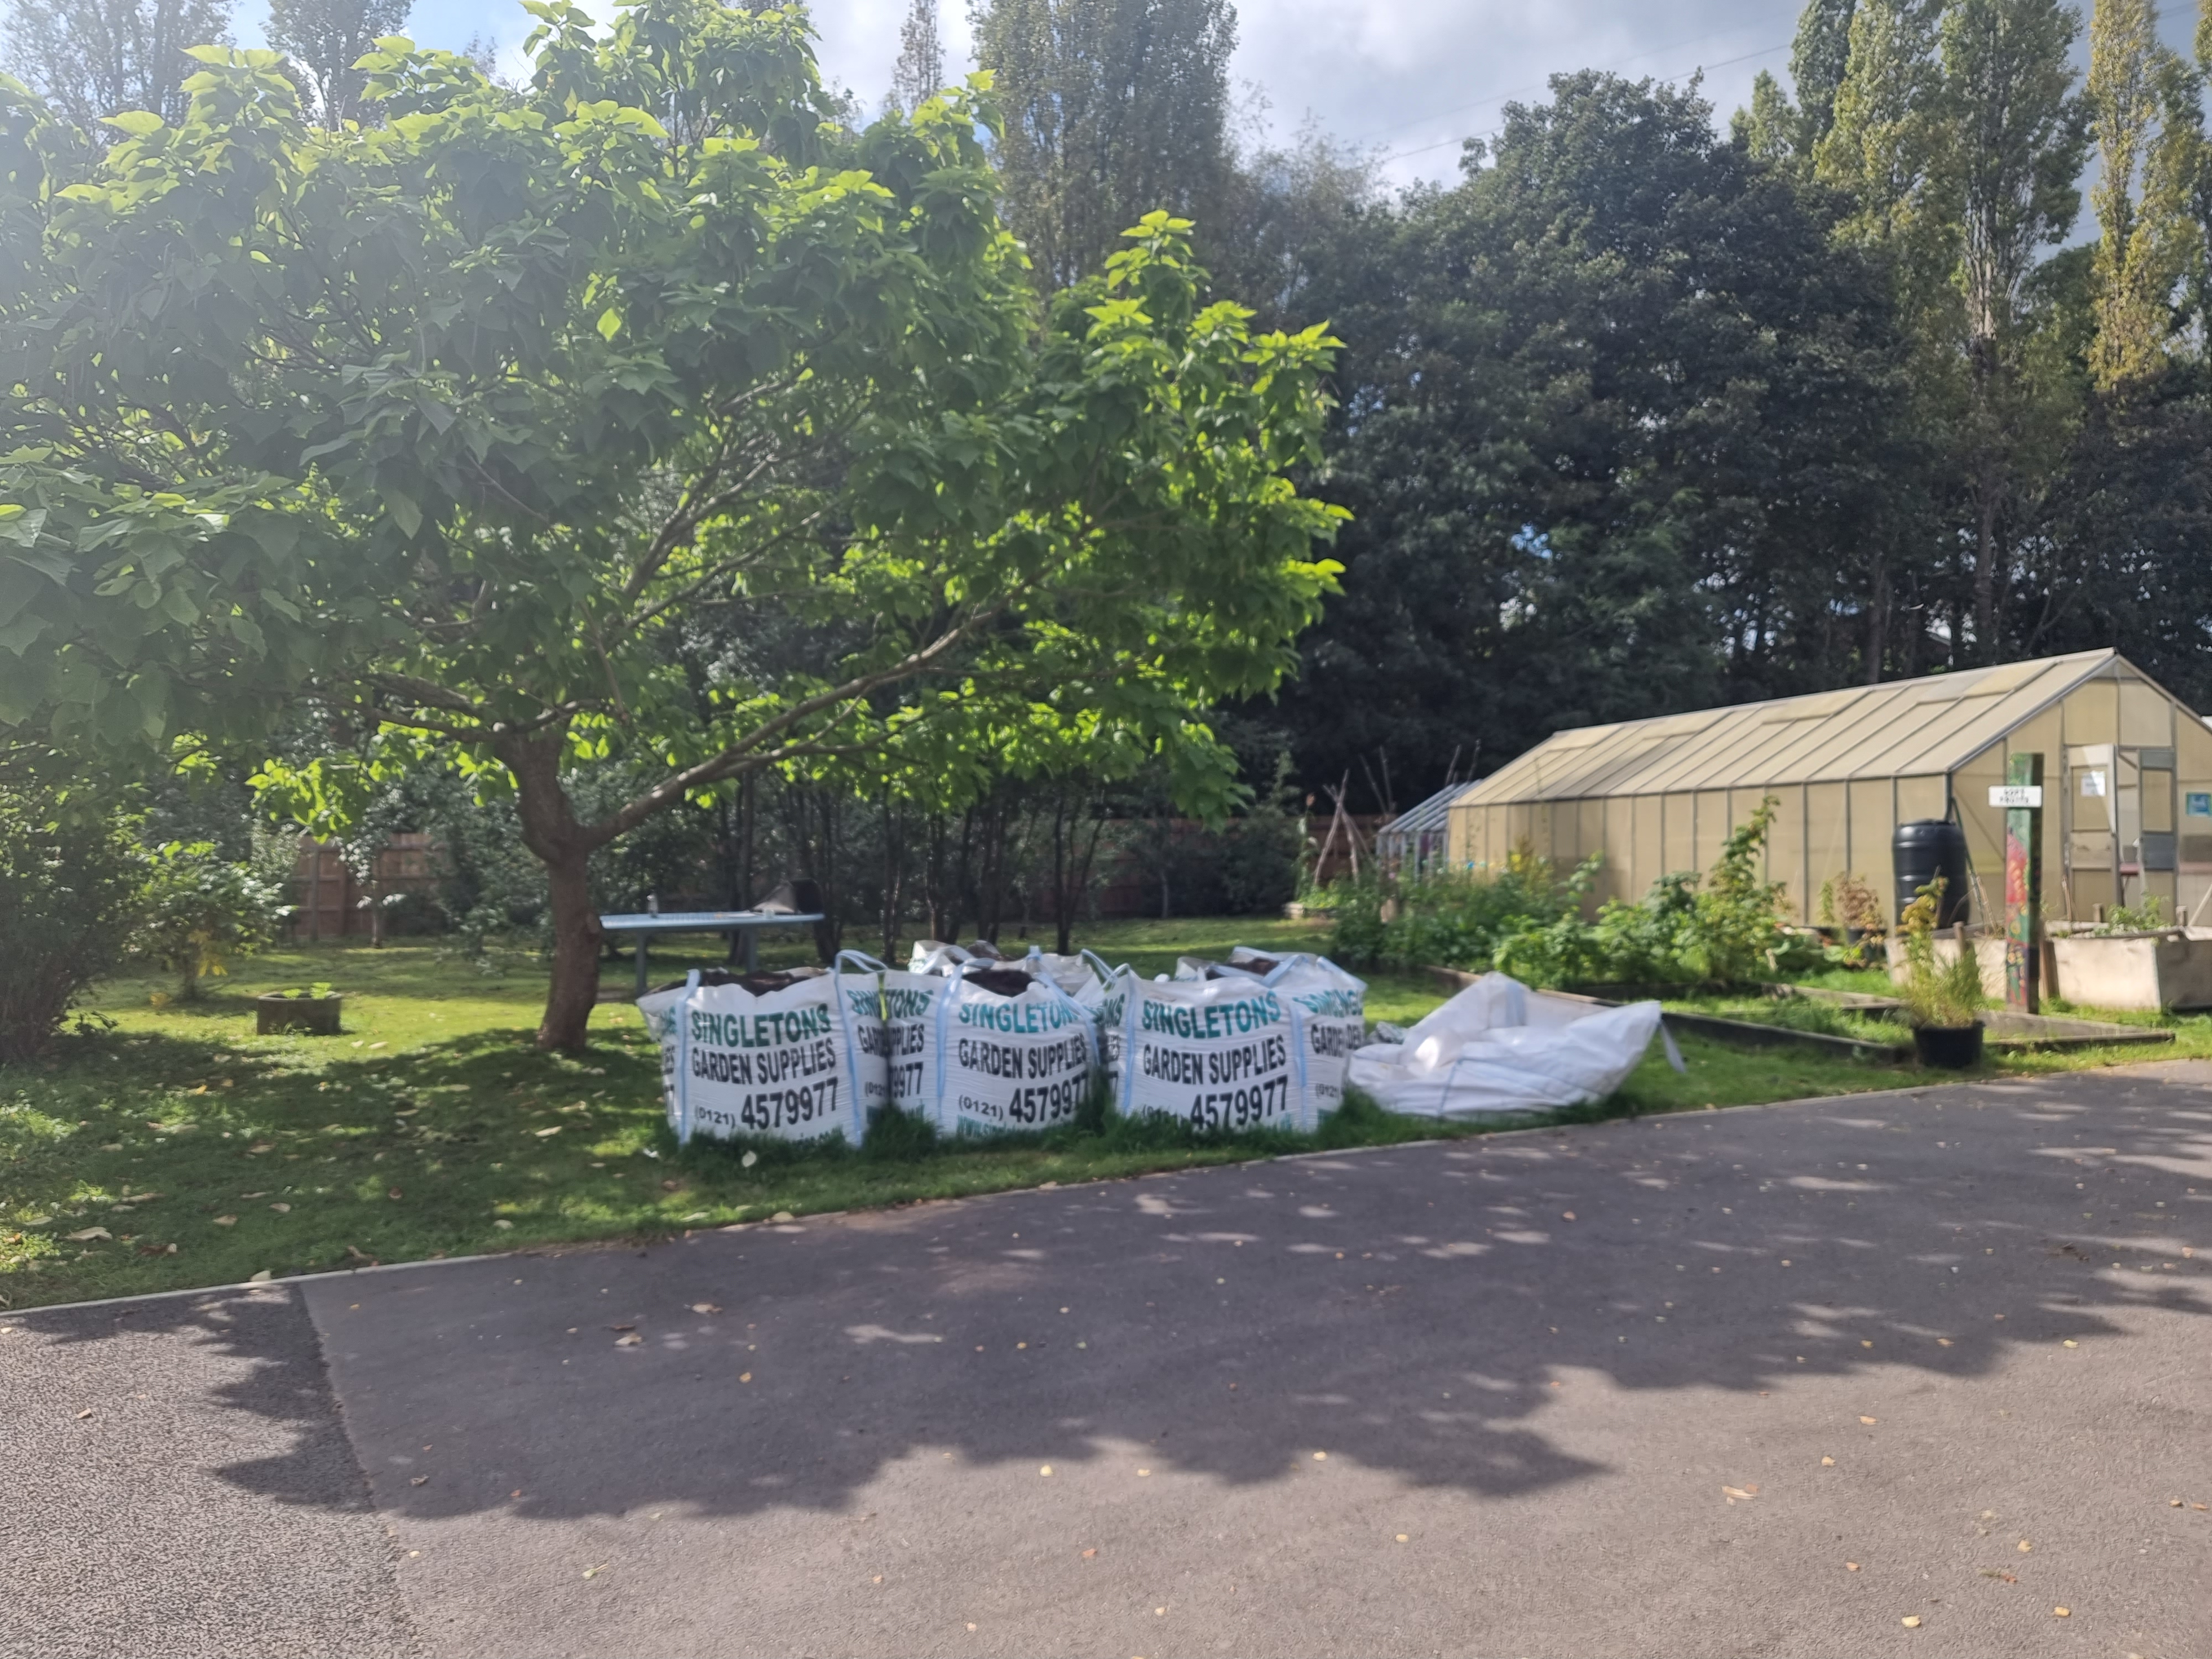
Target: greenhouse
(2127,775)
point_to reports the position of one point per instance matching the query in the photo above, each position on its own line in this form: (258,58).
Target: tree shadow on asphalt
(1417,1309)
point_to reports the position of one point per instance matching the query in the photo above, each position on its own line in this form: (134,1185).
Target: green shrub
(1944,995)
(1452,919)
(69,887)
(200,913)
(1725,929)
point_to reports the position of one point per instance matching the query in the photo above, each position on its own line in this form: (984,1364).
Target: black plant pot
(1949,1048)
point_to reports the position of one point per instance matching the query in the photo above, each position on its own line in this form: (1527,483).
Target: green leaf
(611,323)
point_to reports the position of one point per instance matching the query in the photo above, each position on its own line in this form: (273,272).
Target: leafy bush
(1945,996)
(201,912)
(1726,929)
(2148,917)
(1454,919)
(69,887)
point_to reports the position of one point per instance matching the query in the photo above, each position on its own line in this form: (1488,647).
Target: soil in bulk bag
(1328,1006)
(1499,1047)
(788,1056)
(1219,1053)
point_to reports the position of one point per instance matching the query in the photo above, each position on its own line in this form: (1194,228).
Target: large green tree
(1622,433)
(449,423)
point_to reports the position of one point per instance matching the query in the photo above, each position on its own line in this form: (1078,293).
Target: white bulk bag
(1328,1006)
(790,1063)
(1001,1058)
(1219,1053)
(1499,1047)
(911,1000)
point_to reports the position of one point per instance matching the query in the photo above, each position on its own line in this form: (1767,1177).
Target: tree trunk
(550,830)
(1063,924)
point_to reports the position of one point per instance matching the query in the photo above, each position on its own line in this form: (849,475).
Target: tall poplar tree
(2135,247)
(919,75)
(2018,139)
(1112,108)
(90,59)
(324,38)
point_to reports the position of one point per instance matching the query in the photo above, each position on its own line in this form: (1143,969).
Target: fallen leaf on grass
(226,1221)
(696,1215)
(361,1255)
(780,1215)
(88,1233)
(542,1134)
(261,1277)
(503,1225)
(749,1160)
(395,1193)
(259,1147)
(281,1209)
(157,1249)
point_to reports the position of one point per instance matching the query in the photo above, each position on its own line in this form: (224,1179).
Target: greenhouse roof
(1900,729)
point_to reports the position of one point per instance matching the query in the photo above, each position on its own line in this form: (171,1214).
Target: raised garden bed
(2001,1028)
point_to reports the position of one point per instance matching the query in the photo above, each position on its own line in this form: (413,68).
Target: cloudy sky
(1408,78)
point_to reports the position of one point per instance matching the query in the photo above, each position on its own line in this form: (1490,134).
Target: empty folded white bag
(1500,1046)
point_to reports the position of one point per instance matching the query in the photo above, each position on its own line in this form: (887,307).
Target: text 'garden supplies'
(1219,1053)
(790,1056)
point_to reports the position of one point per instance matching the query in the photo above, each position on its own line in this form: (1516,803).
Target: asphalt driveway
(1773,1381)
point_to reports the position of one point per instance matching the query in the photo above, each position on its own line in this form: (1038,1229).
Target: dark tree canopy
(1619,430)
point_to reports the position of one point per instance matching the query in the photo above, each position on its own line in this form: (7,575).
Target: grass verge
(174,1148)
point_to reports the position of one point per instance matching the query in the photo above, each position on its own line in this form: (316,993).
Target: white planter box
(2148,971)
(2172,968)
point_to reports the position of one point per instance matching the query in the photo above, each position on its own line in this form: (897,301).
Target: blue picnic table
(745,922)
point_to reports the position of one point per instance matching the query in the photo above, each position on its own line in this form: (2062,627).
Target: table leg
(752,950)
(641,938)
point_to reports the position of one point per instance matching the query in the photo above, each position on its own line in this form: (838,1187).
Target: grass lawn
(178,1149)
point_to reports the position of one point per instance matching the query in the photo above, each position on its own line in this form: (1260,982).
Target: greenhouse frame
(2127,788)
